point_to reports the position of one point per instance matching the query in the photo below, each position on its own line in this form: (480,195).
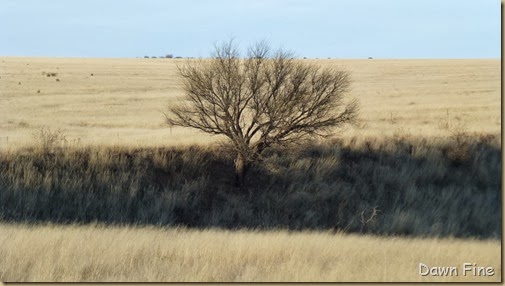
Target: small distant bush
(460,150)
(49,74)
(23,124)
(48,140)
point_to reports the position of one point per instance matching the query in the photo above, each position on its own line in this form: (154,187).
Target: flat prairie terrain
(121,101)
(98,253)
(425,154)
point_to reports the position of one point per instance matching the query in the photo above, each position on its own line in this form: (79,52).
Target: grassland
(422,188)
(120,101)
(105,253)
(151,203)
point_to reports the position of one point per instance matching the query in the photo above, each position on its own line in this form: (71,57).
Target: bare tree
(266,98)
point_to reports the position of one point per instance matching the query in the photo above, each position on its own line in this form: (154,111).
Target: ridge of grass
(393,186)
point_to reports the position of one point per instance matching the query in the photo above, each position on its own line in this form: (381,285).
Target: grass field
(125,198)
(120,101)
(98,253)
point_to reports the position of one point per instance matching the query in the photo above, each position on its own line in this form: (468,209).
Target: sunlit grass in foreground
(105,253)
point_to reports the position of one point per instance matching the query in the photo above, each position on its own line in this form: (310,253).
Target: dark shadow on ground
(396,187)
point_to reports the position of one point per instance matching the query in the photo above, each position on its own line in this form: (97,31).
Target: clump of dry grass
(417,185)
(98,253)
(47,140)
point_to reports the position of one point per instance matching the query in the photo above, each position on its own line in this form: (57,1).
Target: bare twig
(371,218)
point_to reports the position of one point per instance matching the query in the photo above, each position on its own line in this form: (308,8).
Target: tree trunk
(240,170)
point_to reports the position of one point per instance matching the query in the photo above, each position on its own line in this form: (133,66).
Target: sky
(308,28)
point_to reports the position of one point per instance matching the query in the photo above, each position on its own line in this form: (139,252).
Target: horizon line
(300,58)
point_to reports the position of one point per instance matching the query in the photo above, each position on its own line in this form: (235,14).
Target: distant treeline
(168,56)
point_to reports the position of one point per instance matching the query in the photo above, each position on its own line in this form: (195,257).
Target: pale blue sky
(311,28)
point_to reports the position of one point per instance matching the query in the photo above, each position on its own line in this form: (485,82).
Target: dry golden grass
(97,253)
(122,102)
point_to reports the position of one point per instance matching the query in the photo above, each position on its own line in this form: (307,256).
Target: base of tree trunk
(240,171)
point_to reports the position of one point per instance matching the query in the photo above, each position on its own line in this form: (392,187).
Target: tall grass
(98,253)
(392,186)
